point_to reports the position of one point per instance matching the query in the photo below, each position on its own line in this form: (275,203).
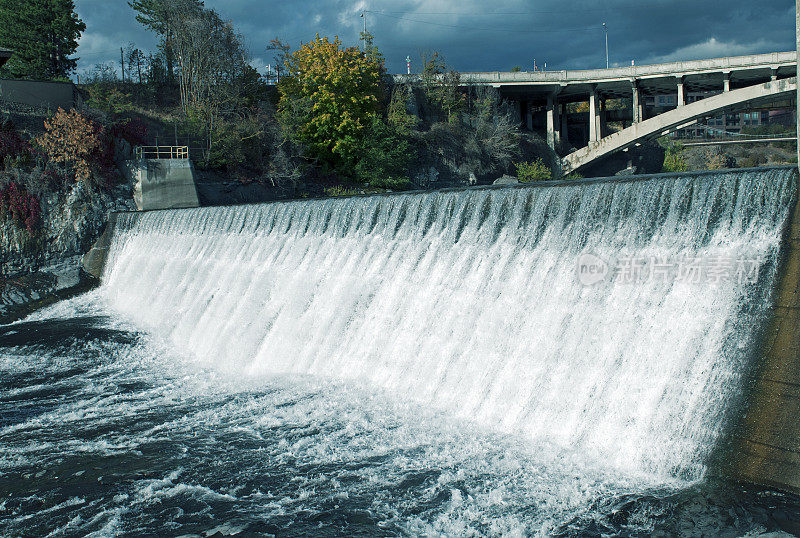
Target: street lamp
(606,30)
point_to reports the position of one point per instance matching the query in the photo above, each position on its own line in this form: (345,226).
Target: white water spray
(468,301)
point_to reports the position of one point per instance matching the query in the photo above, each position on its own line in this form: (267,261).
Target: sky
(475,35)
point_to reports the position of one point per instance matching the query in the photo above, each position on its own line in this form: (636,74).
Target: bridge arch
(671,120)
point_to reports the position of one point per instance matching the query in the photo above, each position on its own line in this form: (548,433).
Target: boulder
(505,180)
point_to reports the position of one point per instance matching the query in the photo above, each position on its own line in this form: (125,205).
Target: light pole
(606,30)
(364,34)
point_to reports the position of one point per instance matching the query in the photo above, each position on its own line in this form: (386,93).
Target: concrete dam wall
(652,321)
(162,183)
(767,446)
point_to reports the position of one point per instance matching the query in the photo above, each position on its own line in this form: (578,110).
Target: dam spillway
(470,301)
(579,358)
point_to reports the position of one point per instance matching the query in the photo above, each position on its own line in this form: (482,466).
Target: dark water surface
(107,430)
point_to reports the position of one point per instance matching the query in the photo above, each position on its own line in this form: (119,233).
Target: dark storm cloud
(479,35)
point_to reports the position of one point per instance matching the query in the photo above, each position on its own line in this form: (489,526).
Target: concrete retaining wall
(38,93)
(94,261)
(162,183)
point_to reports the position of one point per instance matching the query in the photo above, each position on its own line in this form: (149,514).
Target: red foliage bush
(11,144)
(24,208)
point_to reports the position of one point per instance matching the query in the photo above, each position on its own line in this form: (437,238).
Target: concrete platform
(162,183)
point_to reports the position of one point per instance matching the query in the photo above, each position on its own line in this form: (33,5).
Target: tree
(384,155)
(535,170)
(73,140)
(162,17)
(372,52)
(134,57)
(674,159)
(328,98)
(43,35)
(208,52)
(441,85)
(281,56)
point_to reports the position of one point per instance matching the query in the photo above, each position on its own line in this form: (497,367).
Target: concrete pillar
(564,126)
(527,117)
(556,121)
(774,75)
(551,121)
(726,81)
(602,127)
(681,95)
(594,124)
(637,111)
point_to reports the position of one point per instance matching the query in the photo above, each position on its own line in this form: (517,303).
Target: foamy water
(468,301)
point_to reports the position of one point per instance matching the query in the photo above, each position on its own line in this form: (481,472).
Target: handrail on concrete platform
(162,152)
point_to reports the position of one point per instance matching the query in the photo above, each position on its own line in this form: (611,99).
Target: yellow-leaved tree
(328,97)
(71,139)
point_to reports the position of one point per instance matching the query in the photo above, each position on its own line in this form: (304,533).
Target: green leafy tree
(385,155)
(43,35)
(441,86)
(534,170)
(674,158)
(328,97)
(397,114)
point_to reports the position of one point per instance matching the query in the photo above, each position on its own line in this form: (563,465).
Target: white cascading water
(469,301)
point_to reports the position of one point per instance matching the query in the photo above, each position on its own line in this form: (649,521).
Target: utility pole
(408,61)
(122,63)
(364,35)
(606,29)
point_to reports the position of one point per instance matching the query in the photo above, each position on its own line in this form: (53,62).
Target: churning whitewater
(469,301)
(430,362)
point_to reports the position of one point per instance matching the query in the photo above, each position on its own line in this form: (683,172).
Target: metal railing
(161,152)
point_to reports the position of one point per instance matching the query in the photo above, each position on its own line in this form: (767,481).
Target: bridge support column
(774,75)
(551,120)
(602,128)
(564,126)
(556,121)
(638,110)
(726,81)
(594,117)
(681,95)
(526,111)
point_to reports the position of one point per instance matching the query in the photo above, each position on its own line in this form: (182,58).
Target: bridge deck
(697,75)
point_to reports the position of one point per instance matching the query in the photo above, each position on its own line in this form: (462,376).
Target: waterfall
(477,301)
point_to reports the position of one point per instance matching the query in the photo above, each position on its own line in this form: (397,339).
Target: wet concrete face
(768,448)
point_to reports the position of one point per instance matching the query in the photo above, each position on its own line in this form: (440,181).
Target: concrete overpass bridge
(729,101)
(765,77)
